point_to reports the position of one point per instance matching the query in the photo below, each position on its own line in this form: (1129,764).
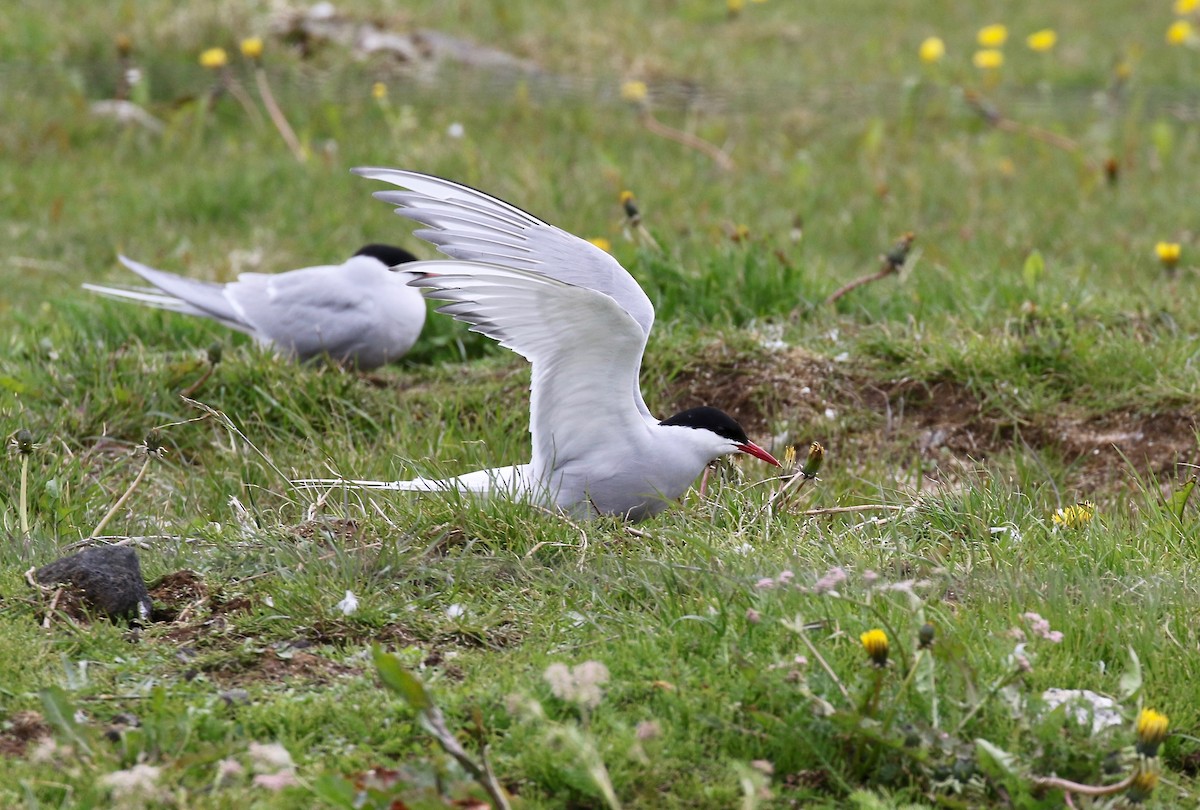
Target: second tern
(361,312)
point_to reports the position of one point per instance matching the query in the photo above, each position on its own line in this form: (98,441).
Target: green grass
(1033,354)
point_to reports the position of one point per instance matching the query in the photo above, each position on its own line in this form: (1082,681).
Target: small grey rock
(109,577)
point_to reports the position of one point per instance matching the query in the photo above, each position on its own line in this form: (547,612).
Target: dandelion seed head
(269,757)
(136,782)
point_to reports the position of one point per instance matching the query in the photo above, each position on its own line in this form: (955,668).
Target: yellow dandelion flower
(1042,41)
(214,58)
(735,6)
(1075,516)
(1144,783)
(812,464)
(875,642)
(379,91)
(1180,32)
(626,197)
(988,59)
(252,47)
(1168,253)
(932,50)
(789,456)
(635,91)
(1151,731)
(992,36)
(1186,6)
(602,243)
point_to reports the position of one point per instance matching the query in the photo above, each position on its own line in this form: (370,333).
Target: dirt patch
(942,421)
(174,593)
(756,390)
(65,601)
(183,600)
(276,668)
(339,530)
(20,730)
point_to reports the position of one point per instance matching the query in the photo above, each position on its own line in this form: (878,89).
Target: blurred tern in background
(582,321)
(360,313)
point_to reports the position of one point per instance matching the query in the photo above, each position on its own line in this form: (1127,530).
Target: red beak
(756,451)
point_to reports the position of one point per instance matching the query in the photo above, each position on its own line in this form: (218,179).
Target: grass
(1033,354)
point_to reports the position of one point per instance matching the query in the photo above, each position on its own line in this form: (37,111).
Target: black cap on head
(712,419)
(388,254)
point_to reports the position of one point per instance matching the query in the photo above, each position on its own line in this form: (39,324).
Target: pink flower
(1041,627)
(753,616)
(832,578)
(276,781)
(765,584)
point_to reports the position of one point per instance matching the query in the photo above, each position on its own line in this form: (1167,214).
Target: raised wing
(585,349)
(473,226)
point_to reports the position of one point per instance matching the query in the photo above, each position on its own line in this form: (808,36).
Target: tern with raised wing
(582,322)
(361,313)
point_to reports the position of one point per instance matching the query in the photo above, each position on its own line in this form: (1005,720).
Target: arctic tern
(582,321)
(360,313)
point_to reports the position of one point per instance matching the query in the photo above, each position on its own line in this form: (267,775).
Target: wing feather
(579,398)
(472,226)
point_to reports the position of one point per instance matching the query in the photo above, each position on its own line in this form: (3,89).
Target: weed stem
(121,501)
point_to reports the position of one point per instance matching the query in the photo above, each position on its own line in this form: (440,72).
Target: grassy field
(1033,354)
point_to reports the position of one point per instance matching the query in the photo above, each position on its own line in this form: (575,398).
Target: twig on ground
(558,513)
(890,264)
(798,628)
(276,114)
(718,155)
(50,608)
(990,114)
(194,387)
(1069,787)
(864,507)
(141,540)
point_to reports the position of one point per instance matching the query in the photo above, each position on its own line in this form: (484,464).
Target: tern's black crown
(389,255)
(712,419)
